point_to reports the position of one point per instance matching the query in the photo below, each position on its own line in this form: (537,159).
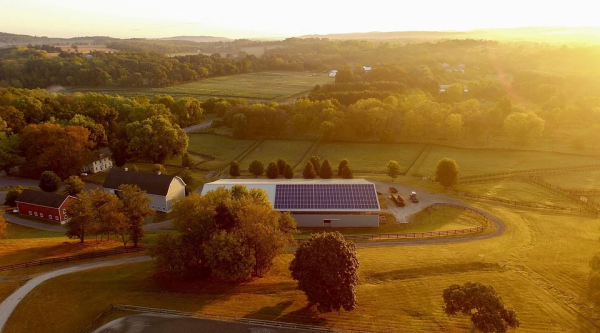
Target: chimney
(126,169)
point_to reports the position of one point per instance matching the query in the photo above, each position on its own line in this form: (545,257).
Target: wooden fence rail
(72,258)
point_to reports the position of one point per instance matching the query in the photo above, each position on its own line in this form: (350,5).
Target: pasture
(540,266)
(271,150)
(223,148)
(482,161)
(259,87)
(576,180)
(369,156)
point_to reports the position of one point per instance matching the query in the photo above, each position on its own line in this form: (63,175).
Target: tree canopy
(446,172)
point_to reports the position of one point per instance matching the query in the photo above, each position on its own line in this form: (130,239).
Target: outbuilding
(44,205)
(162,190)
(317,202)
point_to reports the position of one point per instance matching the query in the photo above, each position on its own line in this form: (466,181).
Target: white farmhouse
(163,190)
(101,162)
(333,73)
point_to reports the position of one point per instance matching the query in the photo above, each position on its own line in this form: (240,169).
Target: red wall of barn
(63,206)
(25,208)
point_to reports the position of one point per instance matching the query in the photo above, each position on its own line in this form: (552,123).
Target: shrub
(272,170)
(256,168)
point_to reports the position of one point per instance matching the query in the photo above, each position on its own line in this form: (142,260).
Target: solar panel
(325,196)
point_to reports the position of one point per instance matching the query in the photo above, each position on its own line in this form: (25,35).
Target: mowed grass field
(518,191)
(482,161)
(540,266)
(261,86)
(223,148)
(271,150)
(369,156)
(576,180)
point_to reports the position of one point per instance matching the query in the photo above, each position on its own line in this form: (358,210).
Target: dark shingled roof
(152,183)
(42,198)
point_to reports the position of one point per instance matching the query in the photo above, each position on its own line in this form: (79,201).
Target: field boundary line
(311,150)
(589,167)
(416,164)
(90,255)
(591,205)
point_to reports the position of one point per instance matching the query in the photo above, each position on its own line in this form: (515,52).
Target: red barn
(44,205)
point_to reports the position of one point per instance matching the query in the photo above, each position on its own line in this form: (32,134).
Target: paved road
(198,127)
(11,302)
(155,323)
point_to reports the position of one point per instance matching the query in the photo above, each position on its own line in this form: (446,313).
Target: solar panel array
(325,196)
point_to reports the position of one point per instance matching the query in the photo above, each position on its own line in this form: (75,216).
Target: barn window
(41,214)
(56,217)
(35,213)
(50,217)
(29,212)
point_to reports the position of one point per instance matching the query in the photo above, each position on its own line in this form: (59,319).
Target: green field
(482,161)
(369,156)
(261,86)
(519,191)
(540,266)
(576,180)
(271,150)
(223,148)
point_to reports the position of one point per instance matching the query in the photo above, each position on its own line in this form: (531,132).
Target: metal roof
(150,182)
(307,195)
(40,198)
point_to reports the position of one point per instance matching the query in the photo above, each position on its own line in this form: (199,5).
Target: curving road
(11,302)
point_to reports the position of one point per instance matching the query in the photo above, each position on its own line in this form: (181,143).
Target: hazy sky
(270,18)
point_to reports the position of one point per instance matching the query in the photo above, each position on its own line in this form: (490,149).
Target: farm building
(44,205)
(333,73)
(162,190)
(318,202)
(100,162)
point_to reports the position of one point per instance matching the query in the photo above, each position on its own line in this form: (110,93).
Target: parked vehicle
(393,190)
(413,197)
(397,199)
(16,210)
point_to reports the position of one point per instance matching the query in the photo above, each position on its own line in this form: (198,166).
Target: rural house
(100,162)
(44,205)
(317,202)
(162,190)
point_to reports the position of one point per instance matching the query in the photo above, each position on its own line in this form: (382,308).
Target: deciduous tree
(315,161)
(228,257)
(347,172)
(234,169)
(160,169)
(74,185)
(12,195)
(49,182)
(393,169)
(482,304)
(330,280)
(186,160)
(135,208)
(272,170)
(156,139)
(80,214)
(256,168)
(281,163)
(341,166)
(446,172)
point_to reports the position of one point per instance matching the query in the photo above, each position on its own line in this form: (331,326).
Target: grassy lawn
(576,180)
(369,156)
(270,150)
(225,149)
(540,266)
(446,218)
(481,161)
(518,191)
(262,86)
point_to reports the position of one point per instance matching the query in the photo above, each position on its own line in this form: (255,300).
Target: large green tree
(483,304)
(330,280)
(81,216)
(446,172)
(156,139)
(135,209)
(393,169)
(49,182)
(74,185)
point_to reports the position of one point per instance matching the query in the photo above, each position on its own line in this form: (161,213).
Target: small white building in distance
(366,69)
(317,202)
(162,190)
(333,73)
(100,162)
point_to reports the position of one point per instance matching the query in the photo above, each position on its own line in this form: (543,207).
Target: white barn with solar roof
(317,202)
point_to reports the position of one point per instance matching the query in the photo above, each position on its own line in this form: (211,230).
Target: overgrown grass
(369,156)
(261,86)
(223,148)
(481,161)
(540,266)
(270,150)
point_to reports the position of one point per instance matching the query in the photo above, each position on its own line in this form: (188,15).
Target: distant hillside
(541,34)
(8,39)
(198,39)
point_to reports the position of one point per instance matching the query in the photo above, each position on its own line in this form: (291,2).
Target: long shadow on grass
(412,273)
(589,309)
(57,250)
(307,316)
